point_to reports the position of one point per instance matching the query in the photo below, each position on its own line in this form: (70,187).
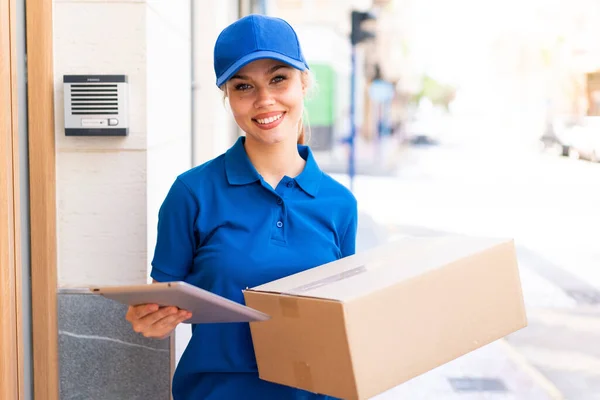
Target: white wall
(109,189)
(168,100)
(214,127)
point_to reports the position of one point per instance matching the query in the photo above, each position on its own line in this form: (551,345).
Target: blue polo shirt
(223,228)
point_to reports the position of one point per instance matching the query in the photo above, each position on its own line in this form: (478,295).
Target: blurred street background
(549,205)
(477,118)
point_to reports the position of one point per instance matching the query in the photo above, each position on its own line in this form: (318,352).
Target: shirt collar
(310,177)
(240,170)
(238,167)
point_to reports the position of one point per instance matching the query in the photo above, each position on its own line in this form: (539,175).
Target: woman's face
(266,98)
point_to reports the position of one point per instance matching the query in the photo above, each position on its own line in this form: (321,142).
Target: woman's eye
(242,86)
(279,78)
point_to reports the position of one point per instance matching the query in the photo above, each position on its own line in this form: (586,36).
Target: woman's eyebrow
(268,72)
(275,68)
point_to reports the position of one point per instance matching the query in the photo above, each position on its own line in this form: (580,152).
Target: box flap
(380,267)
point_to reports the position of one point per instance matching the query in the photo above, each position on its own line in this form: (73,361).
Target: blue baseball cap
(252,38)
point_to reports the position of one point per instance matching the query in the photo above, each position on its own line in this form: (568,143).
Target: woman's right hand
(155,322)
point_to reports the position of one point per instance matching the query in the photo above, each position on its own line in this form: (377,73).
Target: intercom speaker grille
(96,105)
(94,99)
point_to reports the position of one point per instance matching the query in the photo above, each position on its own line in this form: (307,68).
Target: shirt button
(279,201)
(290,184)
(279,224)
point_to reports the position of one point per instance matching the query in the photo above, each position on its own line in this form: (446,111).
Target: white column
(109,188)
(214,128)
(168,102)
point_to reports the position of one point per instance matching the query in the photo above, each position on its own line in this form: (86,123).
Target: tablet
(206,307)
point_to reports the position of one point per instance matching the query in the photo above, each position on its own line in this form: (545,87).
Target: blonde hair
(309,84)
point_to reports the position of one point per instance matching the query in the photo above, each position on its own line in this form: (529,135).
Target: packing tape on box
(303,375)
(328,280)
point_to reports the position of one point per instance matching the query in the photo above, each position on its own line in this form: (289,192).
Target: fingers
(159,323)
(140,311)
(163,327)
(166,325)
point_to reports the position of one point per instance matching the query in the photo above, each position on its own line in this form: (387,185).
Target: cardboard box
(359,326)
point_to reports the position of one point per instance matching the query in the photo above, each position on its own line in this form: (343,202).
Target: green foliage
(440,94)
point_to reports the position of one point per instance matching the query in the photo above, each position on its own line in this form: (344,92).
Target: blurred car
(584,139)
(556,137)
(550,142)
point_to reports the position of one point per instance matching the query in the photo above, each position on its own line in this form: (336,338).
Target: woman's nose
(264,98)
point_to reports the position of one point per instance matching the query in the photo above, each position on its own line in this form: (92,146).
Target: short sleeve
(348,243)
(176,238)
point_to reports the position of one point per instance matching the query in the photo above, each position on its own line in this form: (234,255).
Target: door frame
(42,203)
(42,197)
(11,343)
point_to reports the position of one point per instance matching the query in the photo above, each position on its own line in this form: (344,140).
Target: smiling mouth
(267,121)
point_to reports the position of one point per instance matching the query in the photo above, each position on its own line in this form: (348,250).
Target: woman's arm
(348,242)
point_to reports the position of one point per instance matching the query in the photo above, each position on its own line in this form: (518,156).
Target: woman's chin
(270,137)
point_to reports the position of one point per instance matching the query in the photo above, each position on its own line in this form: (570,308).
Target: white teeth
(269,120)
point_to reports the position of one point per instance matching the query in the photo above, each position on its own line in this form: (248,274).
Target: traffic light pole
(352,141)
(357,35)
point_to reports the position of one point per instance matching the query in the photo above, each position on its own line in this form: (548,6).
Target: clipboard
(206,307)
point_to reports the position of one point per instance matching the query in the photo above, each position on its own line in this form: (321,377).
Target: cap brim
(258,55)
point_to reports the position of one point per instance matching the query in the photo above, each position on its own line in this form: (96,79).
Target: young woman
(259,212)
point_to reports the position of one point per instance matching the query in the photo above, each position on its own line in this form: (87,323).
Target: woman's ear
(304,80)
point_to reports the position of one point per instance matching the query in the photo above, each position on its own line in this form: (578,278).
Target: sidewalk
(495,371)
(371,158)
